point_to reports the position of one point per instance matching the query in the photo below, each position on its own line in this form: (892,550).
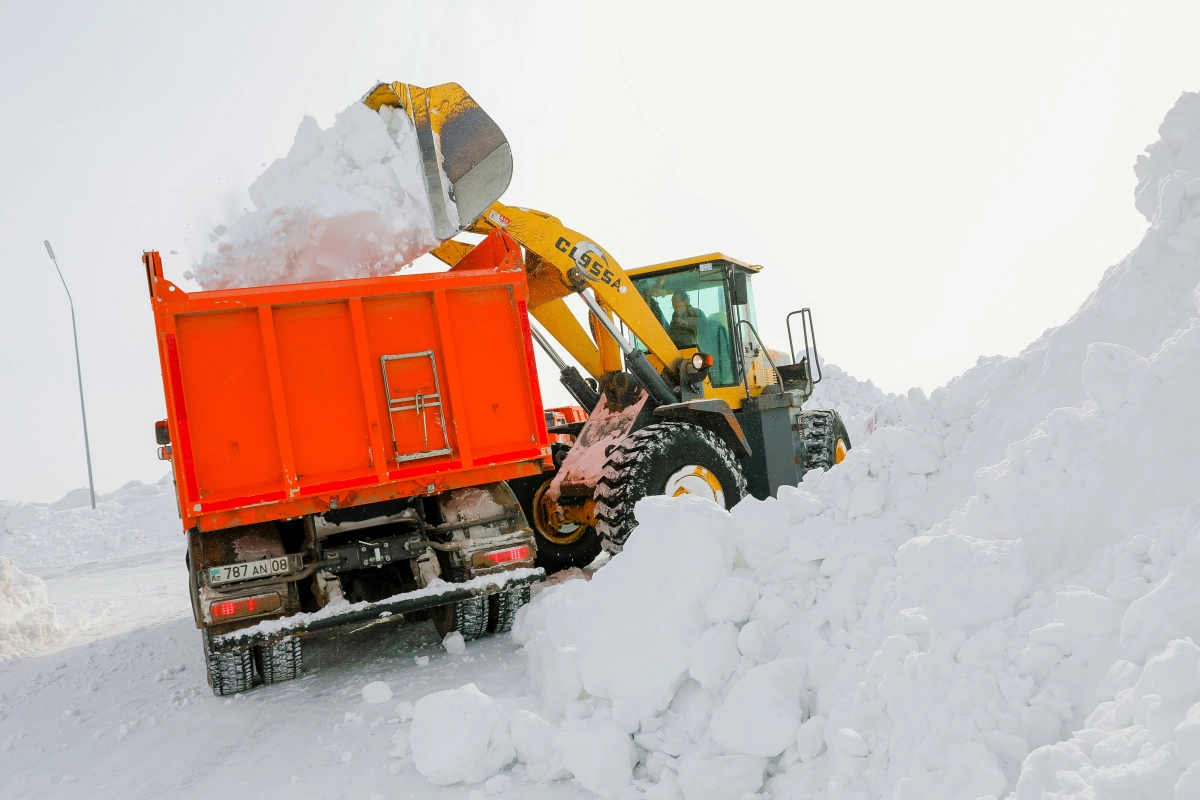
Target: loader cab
(702,303)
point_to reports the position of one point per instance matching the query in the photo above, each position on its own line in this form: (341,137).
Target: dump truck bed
(297,399)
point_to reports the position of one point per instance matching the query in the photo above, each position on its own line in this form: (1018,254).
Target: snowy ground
(121,708)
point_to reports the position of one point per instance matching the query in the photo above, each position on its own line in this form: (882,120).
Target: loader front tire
(672,458)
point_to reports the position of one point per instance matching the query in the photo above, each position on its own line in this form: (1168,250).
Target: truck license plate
(249,570)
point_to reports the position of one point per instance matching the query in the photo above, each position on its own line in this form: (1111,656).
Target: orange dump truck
(341,450)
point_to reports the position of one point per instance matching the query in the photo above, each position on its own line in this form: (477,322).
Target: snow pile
(137,518)
(996,594)
(26,616)
(348,201)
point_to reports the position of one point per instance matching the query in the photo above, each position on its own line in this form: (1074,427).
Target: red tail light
(507,556)
(245,606)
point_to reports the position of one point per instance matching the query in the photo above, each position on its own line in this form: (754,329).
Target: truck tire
(558,548)
(229,672)
(664,458)
(823,439)
(502,608)
(469,617)
(279,661)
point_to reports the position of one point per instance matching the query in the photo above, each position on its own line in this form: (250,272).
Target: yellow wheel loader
(683,396)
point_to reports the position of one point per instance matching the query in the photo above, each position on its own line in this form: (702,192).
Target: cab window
(692,306)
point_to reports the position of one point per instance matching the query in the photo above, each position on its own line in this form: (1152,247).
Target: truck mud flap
(346,614)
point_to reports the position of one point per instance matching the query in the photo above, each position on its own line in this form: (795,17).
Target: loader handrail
(806,327)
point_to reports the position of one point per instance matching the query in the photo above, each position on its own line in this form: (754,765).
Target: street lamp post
(87,448)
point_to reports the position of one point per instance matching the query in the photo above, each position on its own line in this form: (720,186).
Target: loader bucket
(465,158)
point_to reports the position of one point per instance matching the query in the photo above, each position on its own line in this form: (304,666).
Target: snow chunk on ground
(460,736)
(599,754)
(27,620)
(376,693)
(761,715)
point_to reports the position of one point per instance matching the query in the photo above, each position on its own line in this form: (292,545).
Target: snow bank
(26,616)
(996,594)
(348,201)
(137,518)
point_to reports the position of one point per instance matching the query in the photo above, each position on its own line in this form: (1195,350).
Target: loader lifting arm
(563,262)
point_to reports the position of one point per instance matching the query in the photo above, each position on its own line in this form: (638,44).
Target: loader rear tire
(823,439)
(557,548)
(229,672)
(666,457)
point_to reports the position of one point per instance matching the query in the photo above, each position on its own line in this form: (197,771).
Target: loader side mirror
(739,289)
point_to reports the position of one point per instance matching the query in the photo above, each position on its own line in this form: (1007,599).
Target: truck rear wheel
(502,608)
(823,439)
(279,661)
(469,617)
(229,672)
(671,458)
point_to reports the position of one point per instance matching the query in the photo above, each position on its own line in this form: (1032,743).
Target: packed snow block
(548,629)
(599,753)
(645,609)
(762,526)
(27,619)
(722,777)
(731,600)
(1086,613)
(460,736)
(810,739)
(761,715)
(1187,738)
(1167,688)
(714,657)
(532,736)
(798,504)
(1171,610)
(773,610)
(961,582)
(758,642)
(972,772)
(1106,370)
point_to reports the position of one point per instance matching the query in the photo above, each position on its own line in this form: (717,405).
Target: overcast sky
(937,181)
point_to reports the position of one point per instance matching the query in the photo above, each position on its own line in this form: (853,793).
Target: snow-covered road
(123,710)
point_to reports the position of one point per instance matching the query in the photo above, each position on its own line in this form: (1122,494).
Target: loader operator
(685,322)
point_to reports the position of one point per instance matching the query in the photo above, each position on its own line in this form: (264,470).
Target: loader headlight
(701,361)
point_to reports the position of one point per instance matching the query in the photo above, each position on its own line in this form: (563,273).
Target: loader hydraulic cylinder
(635,359)
(584,394)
